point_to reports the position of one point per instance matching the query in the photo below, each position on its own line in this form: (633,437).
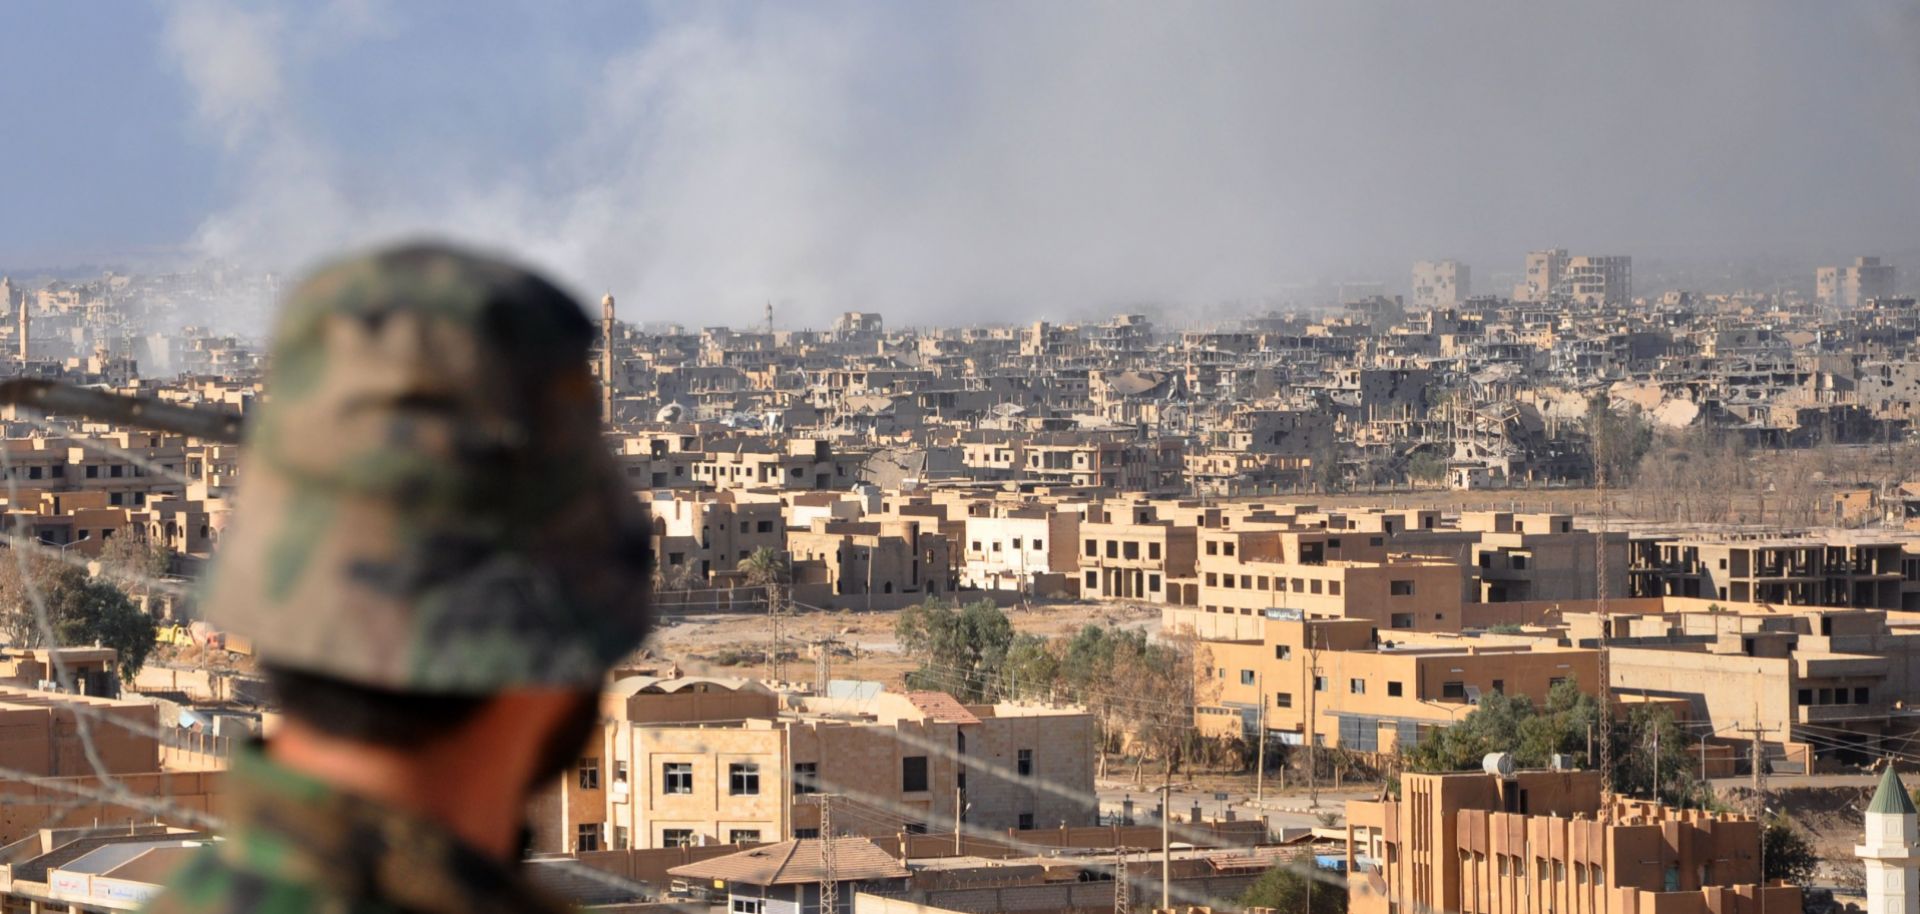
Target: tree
(961,650)
(1509,723)
(1426,466)
(1618,440)
(80,610)
(1284,889)
(766,567)
(1789,855)
(1634,759)
(1030,668)
(135,562)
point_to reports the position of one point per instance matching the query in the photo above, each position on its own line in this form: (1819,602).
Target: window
(1093,579)
(1860,695)
(913,773)
(1454,689)
(619,837)
(1093,549)
(587,838)
(1333,588)
(1246,677)
(590,773)
(676,837)
(676,777)
(1153,583)
(746,905)
(1024,763)
(1037,545)
(1357,686)
(1400,588)
(1519,563)
(1153,550)
(743,836)
(1806,696)
(1376,541)
(806,833)
(743,779)
(1282,651)
(1319,683)
(1283,699)
(1213,548)
(620,772)
(806,778)
(1026,820)
(1113,549)
(1315,584)
(1393,689)
(1500,686)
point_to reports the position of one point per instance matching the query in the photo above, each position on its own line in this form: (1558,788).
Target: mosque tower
(1888,849)
(606,359)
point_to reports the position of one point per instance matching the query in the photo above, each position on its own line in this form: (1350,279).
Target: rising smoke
(1010,161)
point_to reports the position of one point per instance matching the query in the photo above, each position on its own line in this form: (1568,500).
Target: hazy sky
(983,160)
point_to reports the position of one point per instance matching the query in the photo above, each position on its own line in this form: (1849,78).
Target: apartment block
(1346,683)
(1441,283)
(1128,553)
(1534,841)
(896,560)
(1031,550)
(700,535)
(1854,285)
(716,761)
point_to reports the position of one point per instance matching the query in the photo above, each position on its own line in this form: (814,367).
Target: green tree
(1789,855)
(1426,466)
(1510,723)
(765,566)
(1618,440)
(961,650)
(80,610)
(1284,889)
(1634,759)
(1031,667)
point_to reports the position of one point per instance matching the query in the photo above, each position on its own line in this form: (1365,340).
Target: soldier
(437,564)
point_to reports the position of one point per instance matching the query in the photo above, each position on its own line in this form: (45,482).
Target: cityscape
(845,459)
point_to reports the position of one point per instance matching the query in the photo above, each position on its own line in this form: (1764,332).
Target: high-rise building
(1599,280)
(1852,286)
(1544,269)
(1441,283)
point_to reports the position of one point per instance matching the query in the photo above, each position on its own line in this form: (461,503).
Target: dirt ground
(737,644)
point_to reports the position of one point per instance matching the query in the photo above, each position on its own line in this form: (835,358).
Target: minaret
(606,359)
(1892,860)
(26,318)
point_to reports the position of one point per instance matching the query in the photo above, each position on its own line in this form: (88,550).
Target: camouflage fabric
(295,845)
(426,503)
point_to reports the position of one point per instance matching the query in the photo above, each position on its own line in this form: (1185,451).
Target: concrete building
(1855,284)
(1593,280)
(1028,549)
(1441,283)
(886,562)
(700,535)
(1335,683)
(1544,270)
(1128,553)
(1534,841)
(714,761)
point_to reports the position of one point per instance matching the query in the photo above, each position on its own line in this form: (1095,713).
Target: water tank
(1560,761)
(1498,763)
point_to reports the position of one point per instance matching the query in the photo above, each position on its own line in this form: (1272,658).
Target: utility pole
(829,891)
(1166,847)
(1656,766)
(959,811)
(776,659)
(1313,736)
(1260,767)
(1606,631)
(823,664)
(1122,893)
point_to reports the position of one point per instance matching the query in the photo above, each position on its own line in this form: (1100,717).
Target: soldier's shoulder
(209,884)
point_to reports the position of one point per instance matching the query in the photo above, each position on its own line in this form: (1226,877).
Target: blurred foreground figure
(437,564)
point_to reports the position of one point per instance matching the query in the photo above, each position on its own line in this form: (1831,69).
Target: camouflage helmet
(426,504)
